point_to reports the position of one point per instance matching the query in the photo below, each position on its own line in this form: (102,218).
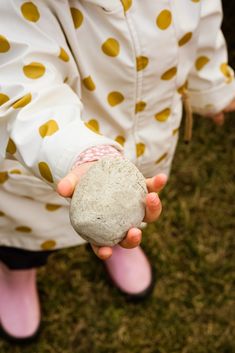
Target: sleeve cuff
(212,101)
(76,139)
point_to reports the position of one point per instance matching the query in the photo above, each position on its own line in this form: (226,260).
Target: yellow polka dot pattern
(49,128)
(15,171)
(160,159)
(52,207)
(11,147)
(141,62)
(169,74)
(120,139)
(3,98)
(23,229)
(63,55)
(115,98)
(126,4)
(182,88)
(3,177)
(48,245)
(226,71)
(140,148)
(195,0)
(140,106)
(185,39)
(23,101)
(4,44)
(164,19)
(163,115)
(89,83)
(93,125)
(111,47)
(201,62)
(77,17)
(34,70)
(2,214)
(30,11)
(45,171)
(175,131)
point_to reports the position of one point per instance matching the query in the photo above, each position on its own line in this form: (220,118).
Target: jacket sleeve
(211,81)
(40,115)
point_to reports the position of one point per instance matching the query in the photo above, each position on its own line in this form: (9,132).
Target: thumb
(67,185)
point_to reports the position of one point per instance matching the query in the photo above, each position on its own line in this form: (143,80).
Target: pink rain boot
(19,304)
(130,271)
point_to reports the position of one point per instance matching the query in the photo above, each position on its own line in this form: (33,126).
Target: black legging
(19,259)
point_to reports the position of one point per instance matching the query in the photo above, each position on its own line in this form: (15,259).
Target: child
(81,79)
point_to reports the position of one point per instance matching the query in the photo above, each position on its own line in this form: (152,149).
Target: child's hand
(153,206)
(219,117)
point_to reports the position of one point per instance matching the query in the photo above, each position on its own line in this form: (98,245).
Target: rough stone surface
(109,200)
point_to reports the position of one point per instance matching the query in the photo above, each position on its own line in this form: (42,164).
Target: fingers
(156,183)
(67,185)
(102,252)
(153,207)
(131,240)
(218,119)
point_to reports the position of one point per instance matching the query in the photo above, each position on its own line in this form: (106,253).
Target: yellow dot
(45,171)
(52,207)
(161,158)
(140,106)
(183,88)
(3,177)
(4,44)
(164,19)
(120,139)
(15,171)
(111,47)
(34,70)
(11,147)
(2,214)
(3,98)
(89,83)
(115,98)
(227,72)
(126,4)
(23,229)
(93,125)
(163,115)
(63,55)
(195,0)
(185,39)
(49,128)
(169,74)
(175,131)
(201,62)
(140,148)
(48,245)
(141,62)
(30,11)
(23,101)
(77,17)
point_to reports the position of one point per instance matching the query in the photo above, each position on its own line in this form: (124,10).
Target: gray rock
(109,200)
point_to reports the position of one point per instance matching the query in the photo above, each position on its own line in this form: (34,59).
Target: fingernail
(154,198)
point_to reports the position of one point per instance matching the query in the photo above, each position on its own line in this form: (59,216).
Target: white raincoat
(80,73)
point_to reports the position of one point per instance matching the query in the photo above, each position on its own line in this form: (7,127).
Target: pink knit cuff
(95,153)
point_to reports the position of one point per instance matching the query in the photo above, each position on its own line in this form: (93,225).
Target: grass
(192,251)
